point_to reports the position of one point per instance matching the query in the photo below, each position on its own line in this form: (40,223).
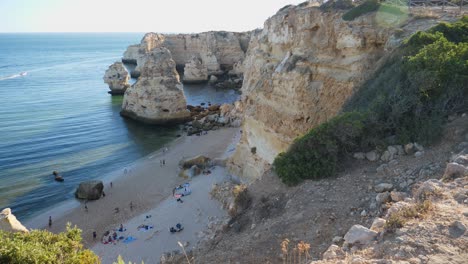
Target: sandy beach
(148,186)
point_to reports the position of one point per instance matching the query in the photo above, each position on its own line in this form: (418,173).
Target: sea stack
(157,97)
(117,78)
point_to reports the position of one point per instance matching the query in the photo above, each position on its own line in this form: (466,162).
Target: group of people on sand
(107,237)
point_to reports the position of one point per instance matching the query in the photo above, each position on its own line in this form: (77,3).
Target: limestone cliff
(218,51)
(195,71)
(117,78)
(157,97)
(300,69)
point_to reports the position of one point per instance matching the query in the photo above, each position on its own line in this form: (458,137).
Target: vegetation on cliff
(41,246)
(407,100)
(371,6)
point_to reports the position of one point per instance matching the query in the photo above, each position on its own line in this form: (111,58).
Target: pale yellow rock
(195,71)
(299,71)
(130,55)
(214,48)
(8,222)
(117,78)
(157,97)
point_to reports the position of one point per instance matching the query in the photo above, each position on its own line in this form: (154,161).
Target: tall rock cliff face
(157,97)
(218,51)
(300,69)
(195,71)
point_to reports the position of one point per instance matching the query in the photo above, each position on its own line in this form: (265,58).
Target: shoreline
(61,209)
(147,185)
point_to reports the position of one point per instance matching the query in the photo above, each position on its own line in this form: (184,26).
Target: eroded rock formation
(300,69)
(195,71)
(157,97)
(8,222)
(217,51)
(117,78)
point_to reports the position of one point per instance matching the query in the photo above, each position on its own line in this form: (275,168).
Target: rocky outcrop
(8,222)
(130,56)
(199,161)
(300,69)
(89,190)
(117,78)
(217,51)
(157,97)
(195,71)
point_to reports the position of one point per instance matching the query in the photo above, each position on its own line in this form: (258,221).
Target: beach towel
(129,240)
(182,192)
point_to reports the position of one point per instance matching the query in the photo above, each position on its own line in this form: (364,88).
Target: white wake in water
(21,74)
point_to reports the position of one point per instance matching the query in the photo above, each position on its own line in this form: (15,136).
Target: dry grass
(297,254)
(398,219)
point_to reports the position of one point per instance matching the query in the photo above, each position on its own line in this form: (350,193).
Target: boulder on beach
(200,161)
(8,222)
(89,190)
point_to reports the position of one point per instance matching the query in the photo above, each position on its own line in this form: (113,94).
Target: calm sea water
(58,116)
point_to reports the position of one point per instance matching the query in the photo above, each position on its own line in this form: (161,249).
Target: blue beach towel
(129,240)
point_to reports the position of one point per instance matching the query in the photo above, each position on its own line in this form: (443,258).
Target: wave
(21,74)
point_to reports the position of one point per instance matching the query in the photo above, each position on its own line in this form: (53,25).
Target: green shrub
(315,155)
(41,246)
(364,8)
(408,99)
(337,5)
(413,92)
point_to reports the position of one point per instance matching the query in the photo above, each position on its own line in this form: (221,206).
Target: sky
(169,16)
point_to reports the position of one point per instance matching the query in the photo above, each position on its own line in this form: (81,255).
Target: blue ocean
(56,115)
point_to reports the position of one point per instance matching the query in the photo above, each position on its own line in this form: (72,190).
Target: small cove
(59,116)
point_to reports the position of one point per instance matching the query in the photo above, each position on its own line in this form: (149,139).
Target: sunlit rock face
(218,51)
(195,71)
(8,222)
(117,78)
(299,71)
(157,97)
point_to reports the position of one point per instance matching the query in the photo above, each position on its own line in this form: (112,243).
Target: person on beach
(103,194)
(86,207)
(131,206)
(164,162)
(50,221)
(94,235)
(111,184)
(121,229)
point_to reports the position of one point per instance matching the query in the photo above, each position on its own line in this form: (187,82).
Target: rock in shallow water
(117,78)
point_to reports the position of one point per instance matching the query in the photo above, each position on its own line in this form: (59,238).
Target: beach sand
(148,186)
